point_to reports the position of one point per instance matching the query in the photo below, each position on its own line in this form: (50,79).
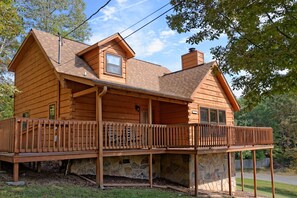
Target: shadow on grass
(267,189)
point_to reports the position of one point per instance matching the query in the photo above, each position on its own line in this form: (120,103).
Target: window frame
(106,65)
(55,108)
(218,121)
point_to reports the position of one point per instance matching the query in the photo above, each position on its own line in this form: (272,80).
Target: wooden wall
(171,113)
(96,58)
(113,48)
(210,94)
(119,108)
(92,58)
(38,86)
(37,83)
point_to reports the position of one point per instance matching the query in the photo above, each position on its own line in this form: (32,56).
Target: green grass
(69,190)
(264,188)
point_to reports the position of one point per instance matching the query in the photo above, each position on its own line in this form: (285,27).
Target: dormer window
(114,64)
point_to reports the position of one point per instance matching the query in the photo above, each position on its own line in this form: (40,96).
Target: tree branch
(277,28)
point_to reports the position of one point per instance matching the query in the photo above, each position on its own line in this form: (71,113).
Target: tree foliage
(262,40)
(55,16)
(280,113)
(10,28)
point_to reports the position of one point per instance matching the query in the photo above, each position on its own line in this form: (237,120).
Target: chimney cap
(192,49)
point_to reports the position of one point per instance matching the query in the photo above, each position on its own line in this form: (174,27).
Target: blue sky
(156,42)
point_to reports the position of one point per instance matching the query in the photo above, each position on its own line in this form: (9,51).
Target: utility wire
(145,18)
(87,19)
(141,27)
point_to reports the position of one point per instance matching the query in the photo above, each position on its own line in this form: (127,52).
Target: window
(203,115)
(24,124)
(52,112)
(212,116)
(26,115)
(222,117)
(114,64)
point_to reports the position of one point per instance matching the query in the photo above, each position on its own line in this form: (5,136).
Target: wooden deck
(26,135)
(35,140)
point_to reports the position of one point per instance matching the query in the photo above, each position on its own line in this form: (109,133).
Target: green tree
(10,28)
(280,113)
(262,40)
(55,16)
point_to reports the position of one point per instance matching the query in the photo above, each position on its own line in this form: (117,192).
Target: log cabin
(112,114)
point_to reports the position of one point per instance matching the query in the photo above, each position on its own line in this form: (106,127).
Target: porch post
(99,161)
(150,141)
(272,175)
(255,177)
(241,168)
(229,173)
(16,172)
(196,167)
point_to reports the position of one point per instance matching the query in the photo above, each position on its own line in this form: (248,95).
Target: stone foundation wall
(127,166)
(213,169)
(213,172)
(175,168)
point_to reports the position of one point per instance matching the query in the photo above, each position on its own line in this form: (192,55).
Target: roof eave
(124,87)
(119,39)
(10,66)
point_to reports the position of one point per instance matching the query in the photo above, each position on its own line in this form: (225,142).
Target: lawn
(69,190)
(264,188)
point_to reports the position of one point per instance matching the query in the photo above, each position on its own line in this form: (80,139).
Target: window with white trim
(113,64)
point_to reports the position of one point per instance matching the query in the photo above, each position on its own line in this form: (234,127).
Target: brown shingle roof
(184,82)
(141,75)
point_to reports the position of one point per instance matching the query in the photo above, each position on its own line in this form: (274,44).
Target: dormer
(108,58)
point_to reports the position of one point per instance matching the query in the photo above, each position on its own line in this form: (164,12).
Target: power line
(88,18)
(141,27)
(145,18)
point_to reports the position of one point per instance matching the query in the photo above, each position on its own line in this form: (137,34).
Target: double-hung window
(113,64)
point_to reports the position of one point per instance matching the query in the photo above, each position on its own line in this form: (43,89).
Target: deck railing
(129,136)
(26,135)
(43,135)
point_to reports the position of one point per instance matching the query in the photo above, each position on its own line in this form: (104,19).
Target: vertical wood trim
(16,172)
(272,174)
(255,177)
(150,119)
(229,173)
(196,174)
(58,100)
(151,170)
(241,169)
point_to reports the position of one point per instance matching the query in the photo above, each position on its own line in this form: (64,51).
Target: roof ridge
(34,29)
(204,64)
(148,62)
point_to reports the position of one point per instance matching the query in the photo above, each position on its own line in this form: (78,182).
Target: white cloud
(108,13)
(155,46)
(121,1)
(167,33)
(183,40)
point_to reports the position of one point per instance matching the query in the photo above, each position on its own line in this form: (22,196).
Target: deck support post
(99,161)
(272,174)
(241,170)
(16,172)
(229,173)
(151,170)
(196,167)
(255,177)
(38,167)
(150,141)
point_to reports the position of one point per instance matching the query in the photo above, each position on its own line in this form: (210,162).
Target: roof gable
(115,37)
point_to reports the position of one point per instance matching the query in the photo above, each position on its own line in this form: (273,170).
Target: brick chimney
(192,59)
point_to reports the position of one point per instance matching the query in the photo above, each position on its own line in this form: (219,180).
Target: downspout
(99,163)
